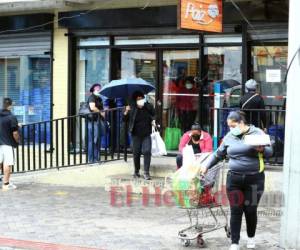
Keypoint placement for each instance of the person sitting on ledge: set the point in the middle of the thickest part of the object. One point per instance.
(200, 140)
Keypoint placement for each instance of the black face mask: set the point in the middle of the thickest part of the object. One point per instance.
(196, 137)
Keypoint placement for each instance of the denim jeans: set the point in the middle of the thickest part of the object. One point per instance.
(96, 130)
(244, 193)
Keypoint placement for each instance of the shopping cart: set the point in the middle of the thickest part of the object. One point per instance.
(202, 200)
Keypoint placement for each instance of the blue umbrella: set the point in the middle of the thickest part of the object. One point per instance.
(124, 88)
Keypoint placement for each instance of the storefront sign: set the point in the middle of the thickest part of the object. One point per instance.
(273, 75)
(202, 15)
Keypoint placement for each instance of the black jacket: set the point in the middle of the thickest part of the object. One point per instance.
(258, 119)
(131, 115)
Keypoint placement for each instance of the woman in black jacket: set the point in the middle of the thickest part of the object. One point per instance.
(141, 117)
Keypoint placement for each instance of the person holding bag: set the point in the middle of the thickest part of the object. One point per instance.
(141, 117)
(96, 123)
(200, 140)
(245, 178)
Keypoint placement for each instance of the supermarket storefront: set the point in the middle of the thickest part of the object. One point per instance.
(183, 65)
(110, 44)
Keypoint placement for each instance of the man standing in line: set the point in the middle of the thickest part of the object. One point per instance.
(98, 118)
(9, 138)
(253, 100)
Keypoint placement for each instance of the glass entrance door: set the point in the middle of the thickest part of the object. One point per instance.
(141, 64)
(180, 93)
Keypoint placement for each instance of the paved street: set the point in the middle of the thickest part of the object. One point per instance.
(43, 216)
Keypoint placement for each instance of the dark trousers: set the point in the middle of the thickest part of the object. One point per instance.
(141, 146)
(244, 193)
(179, 160)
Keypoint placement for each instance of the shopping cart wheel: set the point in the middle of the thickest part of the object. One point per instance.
(228, 231)
(185, 243)
(200, 241)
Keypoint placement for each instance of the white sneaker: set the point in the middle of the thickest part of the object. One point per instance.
(251, 243)
(234, 247)
(10, 186)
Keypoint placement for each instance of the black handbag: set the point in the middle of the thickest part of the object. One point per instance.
(85, 111)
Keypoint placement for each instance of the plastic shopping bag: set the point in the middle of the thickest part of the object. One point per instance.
(186, 186)
(158, 145)
(188, 156)
(172, 138)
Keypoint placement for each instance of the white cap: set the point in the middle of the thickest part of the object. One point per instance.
(251, 84)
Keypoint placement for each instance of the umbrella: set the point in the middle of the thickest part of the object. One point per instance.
(228, 83)
(124, 88)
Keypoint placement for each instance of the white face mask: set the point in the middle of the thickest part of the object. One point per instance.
(96, 93)
(189, 85)
(141, 102)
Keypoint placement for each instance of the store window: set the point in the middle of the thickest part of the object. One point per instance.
(140, 64)
(221, 64)
(26, 80)
(92, 67)
(180, 93)
(269, 69)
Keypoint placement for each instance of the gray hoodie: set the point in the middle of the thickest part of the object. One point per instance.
(242, 157)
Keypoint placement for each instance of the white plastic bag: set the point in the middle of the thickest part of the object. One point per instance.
(158, 145)
(188, 155)
(191, 163)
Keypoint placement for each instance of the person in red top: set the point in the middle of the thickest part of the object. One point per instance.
(200, 140)
(187, 102)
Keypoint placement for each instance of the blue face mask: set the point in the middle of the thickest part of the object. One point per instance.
(236, 131)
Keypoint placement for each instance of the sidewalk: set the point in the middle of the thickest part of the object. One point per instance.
(83, 218)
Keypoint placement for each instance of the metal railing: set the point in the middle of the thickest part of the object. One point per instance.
(68, 141)
(272, 121)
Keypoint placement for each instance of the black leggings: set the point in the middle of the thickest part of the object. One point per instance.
(244, 193)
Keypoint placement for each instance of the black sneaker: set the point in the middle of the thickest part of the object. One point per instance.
(136, 175)
(147, 177)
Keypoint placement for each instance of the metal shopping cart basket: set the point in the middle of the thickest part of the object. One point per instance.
(204, 200)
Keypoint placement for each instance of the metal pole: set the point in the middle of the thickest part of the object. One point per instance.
(290, 230)
(244, 55)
